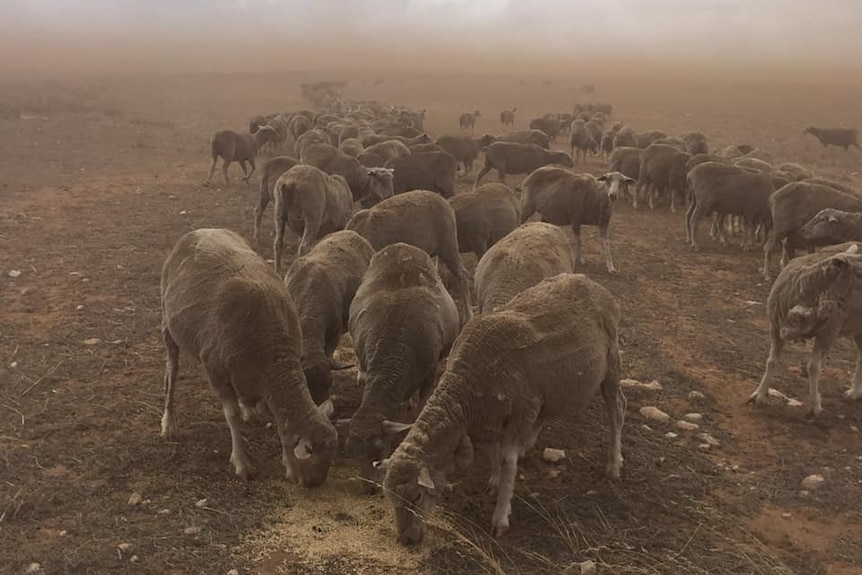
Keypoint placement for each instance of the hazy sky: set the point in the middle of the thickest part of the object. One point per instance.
(291, 34)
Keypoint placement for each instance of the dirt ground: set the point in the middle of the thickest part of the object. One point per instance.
(103, 176)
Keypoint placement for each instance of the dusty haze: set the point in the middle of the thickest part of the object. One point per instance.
(800, 39)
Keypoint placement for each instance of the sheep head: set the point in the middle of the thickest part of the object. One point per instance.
(413, 488)
(615, 183)
(369, 441)
(380, 183)
(313, 448)
(826, 225)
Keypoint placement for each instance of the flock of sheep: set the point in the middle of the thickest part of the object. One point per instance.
(544, 339)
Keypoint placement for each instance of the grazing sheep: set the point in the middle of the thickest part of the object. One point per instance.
(543, 355)
(625, 137)
(463, 148)
(563, 198)
(726, 189)
(434, 171)
(831, 226)
(792, 207)
(352, 147)
(644, 139)
(695, 143)
(368, 185)
(312, 204)
(662, 171)
(698, 159)
(271, 171)
(580, 141)
(389, 149)
(795, 170)
(759, 154)
(468, 120)
(549, 125)
(606, 146)
(403, 322)
(298, 125)
(322, 284)
(842, 137)
(308, 138)
(223, 306)
(816, 296)
(626, 160)
(242, 148)
(483, 216)
(521, 259)
(507, 118)
(537, 137)
(754, 164)
(594, 128)
(423, 219)
(512, 158)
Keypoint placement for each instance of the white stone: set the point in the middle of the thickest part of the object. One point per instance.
(201, 503)
(693, 417)
(812, 482)
(692, 395)
(707, 438)
(687, 425)
(654, 413)
(587, 567)
(552, 455)
(135, 499)
(33, 568)
(671, 435)
(193, 530)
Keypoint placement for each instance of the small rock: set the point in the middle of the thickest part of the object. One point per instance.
(552, 455)
(854, 429)
(79, 308)
(646, 427)
(707, 438)
(183, 212)
(124, 546)
(793, 402)
(592, 492)
(201, 503)
(654, 385)
(63, 533)
(654, 413)
(13, 365)
(671, 435)
(33, 568)
(812, 482)
(163, 511)
(694, 395)
(135, 499)
(193, 530)
(693, 417)
(233, 572)
(92, 341)
(703, 446)
(15, 274)
(587, 567)
(787, 515)
(686, 425)
(133, 559)
(553, 472)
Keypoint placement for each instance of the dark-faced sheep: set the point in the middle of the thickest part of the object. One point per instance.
(368, 185)
(467, 121)
(507, 118)
(581, 141)
(242, 148)
(512, 158)
(816, 296)
(521, 259)
(322, 284)
(484, 216)
(542, 356)
(563, 198)
(464, 149)
(625, 137)
(831, 226)
(434, 171)
(403, 322)
(695, 143)
(840, 137)
(792, 207)
(223, 306)
(549, 125)
(423, 219)
(271, 171)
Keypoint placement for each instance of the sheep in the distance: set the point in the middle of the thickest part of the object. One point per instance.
(223, 305)
(512, 158)
(368, 185)
(484, 216)
(467, 121)
(816, 296)
(839, 137)
(542, 356)
(833, 226)
(563, 198)
(537, 137)
(243, 148)
(464, 149)
(507, 118)
(581, 141)
(271, 171)
(524, 257)
(434, 171)
(403, 322)
(322, 284)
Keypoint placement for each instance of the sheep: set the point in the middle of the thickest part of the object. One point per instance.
(695, 143)
(507, 118)
(606, 145)
(423, 219)
(816, 296)
(308, 138)
(389, 149)
(798, 172)
(839, 137)
(759, 154)
(434, 171)
(537, 137)
(792, 206)
(483, 216)
(594, 128)
(403, 322)
(463, 148)
(833, 227)
(352, 147)
(625, 137)
(312, 203)
(368, 185)
(832, 184)
(271, 171)
(401, 131)
(548, 125)
(371, 139)
(644, 139)
(754, 164)
(512, 158)
(521, 259)
(564, 198)
(580, 140)
(371, 160)
(223, 305)
(468, 120)
(242, 148)
(423, 148)
(662, 170)
(298, 125)
(627, 160)
(543, 355)
(322, 284)
(727, 190)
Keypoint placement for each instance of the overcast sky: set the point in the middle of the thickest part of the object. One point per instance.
(824, 32)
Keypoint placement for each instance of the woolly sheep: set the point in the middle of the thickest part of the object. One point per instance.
(483, 216)
(512, 158)
(242, 148)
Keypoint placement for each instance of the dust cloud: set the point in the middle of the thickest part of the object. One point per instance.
(795, 39)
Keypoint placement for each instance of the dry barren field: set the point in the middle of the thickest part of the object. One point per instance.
(100, 183)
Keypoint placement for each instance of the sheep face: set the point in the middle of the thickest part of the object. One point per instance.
(374, 442)
(380, 183)
(413, 493)
(616, 183)
(824, 226)
(311, 456)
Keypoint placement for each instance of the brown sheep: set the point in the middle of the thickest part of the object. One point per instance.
(507, 118)
(434, 171)
(242, 148)
(484, 216)
(468, 120)
(512, 158)
(271, 171)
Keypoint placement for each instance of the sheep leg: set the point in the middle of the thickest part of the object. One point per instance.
(687, 221)
(508, 470)
(855, 391)
(606, 246)
(172, 365)
(224, 168)
(672, 201)
(221, 383)
(815, 362)
(576, 229)
(501, 175)
(253, 168)
(788, 252)
(775, 349)
(485, 169)
(767, 247)
(309, 235)
(280, 222)
(615, 404)
(258, 214)
(494, 479)
(693, 224)
(212, 170)
(722, 232)
(713, 229)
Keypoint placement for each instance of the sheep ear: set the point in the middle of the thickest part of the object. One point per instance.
(424, 479)
(336, 365)
(394, 427)
(327, 408)
(303, 448)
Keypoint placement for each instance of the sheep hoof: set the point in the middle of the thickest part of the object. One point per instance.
(499, 528)
(853, 394)
(814, 411)
(612, 270)
(756, 398)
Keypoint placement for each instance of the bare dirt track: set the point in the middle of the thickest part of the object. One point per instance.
(94, 195)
